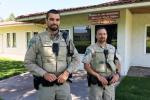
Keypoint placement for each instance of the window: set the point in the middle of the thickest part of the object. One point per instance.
(28, 37)
(35, 33)
(8, 40)
(148, 39)
(64, 30)
(14, 39)
(82, 37)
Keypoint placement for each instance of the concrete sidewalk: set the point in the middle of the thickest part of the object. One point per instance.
(20, 87)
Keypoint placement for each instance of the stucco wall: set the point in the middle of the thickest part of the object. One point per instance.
(20, 31)
(138, 55)
(74, 20)
(1, 43)
(69, 21)
(124, 38)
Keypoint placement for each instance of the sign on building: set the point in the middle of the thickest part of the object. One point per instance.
(104, 17)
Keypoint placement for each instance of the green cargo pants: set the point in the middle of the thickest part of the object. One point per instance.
(61, 92)
(98, 93)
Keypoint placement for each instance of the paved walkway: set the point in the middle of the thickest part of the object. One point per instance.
(20, 87)
(139, 71)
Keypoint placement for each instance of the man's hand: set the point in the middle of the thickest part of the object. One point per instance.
(102, 80)
(49, 77)
(63, 77)
(114, 79)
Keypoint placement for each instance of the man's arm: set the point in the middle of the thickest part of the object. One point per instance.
(30, 59)
(71, 67)
(75, 59)
(87, 66)
(117, 61)
(89, 70)
(118, 67)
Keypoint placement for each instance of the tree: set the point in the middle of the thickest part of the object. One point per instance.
(11, 17)
(1, 19)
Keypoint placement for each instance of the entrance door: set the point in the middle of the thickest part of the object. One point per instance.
(1, 45)
(112, 33)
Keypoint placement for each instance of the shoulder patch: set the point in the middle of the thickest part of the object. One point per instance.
(31, 42)
(87, 52)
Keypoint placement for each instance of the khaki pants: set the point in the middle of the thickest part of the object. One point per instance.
(61, 92)
(98, 93)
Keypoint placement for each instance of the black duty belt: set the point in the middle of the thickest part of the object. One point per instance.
(40, 80)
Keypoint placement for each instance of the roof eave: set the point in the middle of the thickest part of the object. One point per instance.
(27, 24)
(133, 5)
(90, 9)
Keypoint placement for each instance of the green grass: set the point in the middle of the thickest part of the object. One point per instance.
(9, 67)
(134, 88)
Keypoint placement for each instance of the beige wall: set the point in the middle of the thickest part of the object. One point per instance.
(124, 38)
(139, 56)
(1, 43)
(74, 20)
(20, 31)
(69, 21)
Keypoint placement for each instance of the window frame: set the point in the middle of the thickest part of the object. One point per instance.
(28, 40)
(14, 44)
(8, 43)
(145, 46)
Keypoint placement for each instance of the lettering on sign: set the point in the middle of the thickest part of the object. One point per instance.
(104, 18)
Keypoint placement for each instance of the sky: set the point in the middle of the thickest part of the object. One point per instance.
(24, 7)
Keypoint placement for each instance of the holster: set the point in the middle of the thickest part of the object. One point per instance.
(36, 82)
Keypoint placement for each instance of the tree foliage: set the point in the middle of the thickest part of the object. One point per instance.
(11, 17)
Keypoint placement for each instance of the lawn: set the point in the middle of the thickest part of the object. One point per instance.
(9, 67)
(134, 88)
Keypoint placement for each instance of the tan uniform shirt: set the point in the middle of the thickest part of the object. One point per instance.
(40, 58)
(94, 55)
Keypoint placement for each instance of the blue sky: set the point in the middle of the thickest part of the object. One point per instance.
(23, 7)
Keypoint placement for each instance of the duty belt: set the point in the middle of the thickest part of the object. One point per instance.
(40, 80)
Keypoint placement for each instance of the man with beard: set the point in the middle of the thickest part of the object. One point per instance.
(101, 61)
(48, 59)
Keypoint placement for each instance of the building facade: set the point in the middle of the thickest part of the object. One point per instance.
(127, 22)
(15, 36)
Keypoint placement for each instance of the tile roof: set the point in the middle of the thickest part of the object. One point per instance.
(112, 3)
